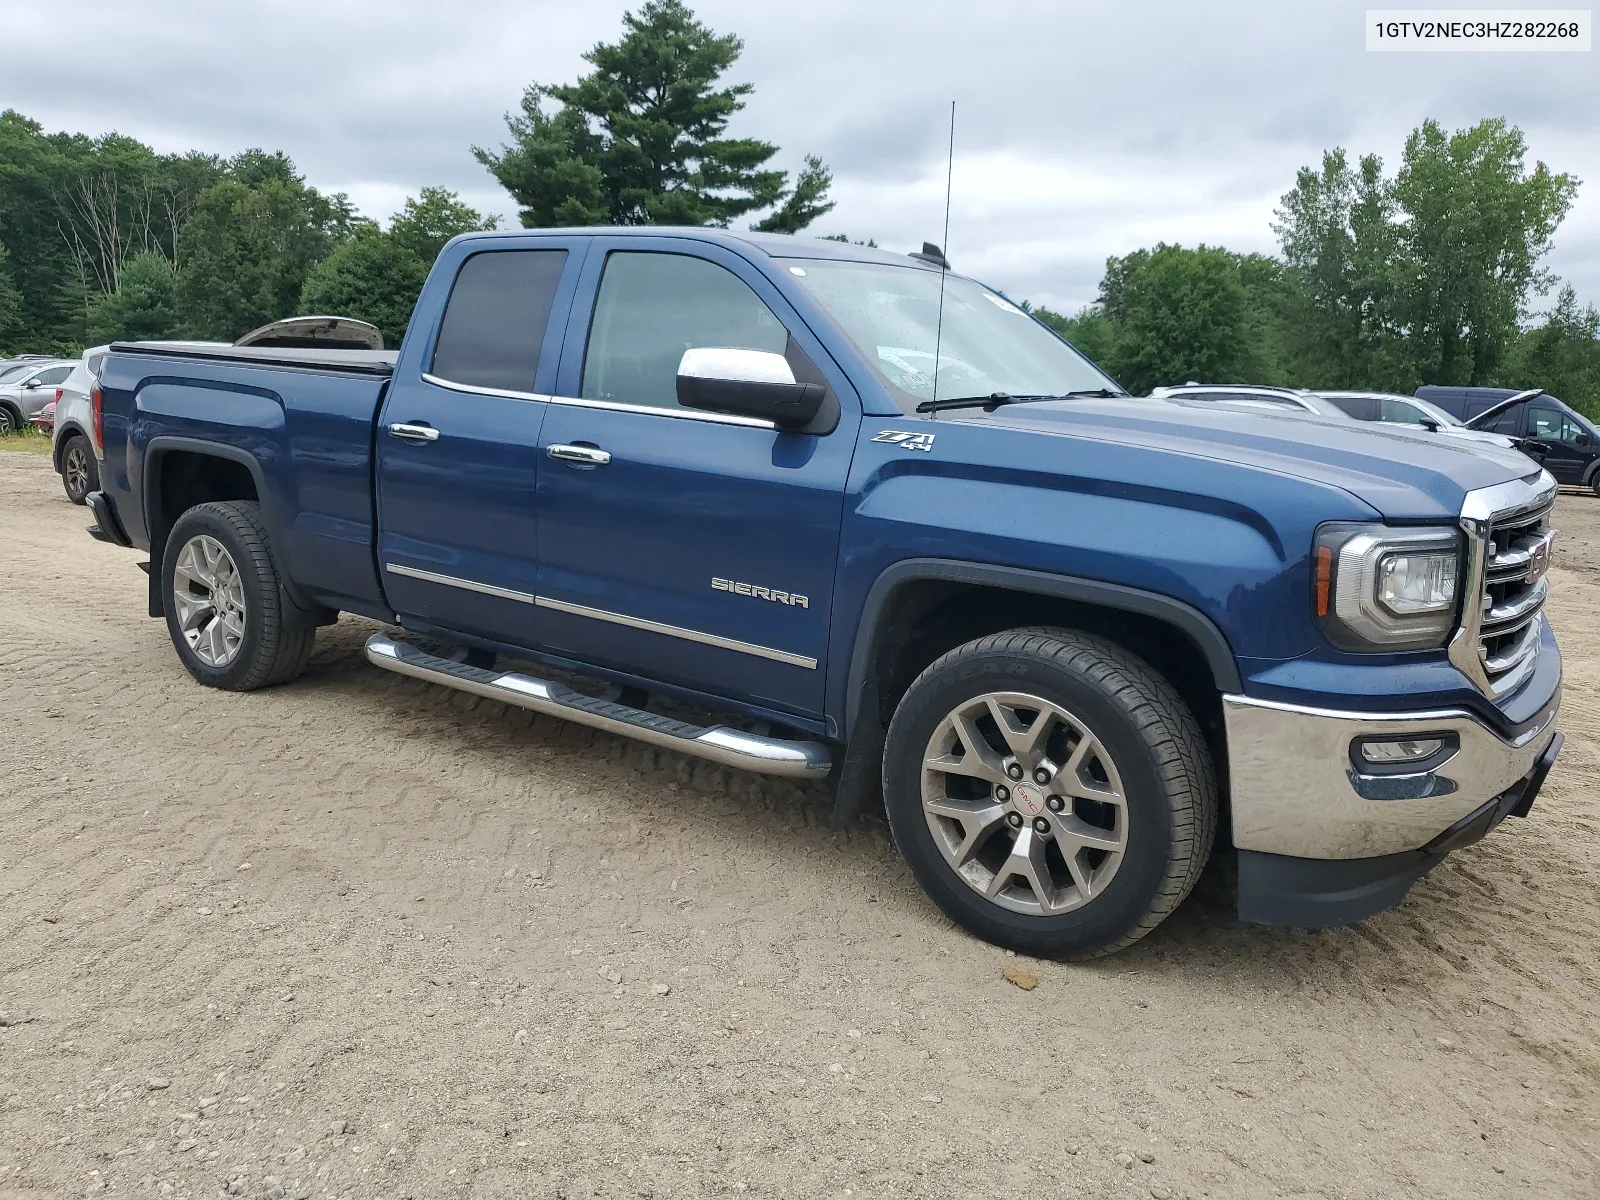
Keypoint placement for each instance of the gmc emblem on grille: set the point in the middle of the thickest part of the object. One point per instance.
(1539, 562)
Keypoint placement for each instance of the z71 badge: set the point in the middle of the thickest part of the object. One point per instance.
(906, 441)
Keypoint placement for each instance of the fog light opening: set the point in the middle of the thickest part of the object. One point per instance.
(1402, 750)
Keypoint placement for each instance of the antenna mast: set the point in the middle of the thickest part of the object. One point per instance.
(944, 254)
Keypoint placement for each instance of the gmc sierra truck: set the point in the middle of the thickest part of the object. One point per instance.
(885, 526)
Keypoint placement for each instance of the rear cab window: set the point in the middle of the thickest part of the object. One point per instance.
(496, 318)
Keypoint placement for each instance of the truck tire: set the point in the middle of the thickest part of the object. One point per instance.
(80, 474)
(1050, 791)
(223, 603)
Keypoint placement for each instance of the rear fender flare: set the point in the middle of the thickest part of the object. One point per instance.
(297, 607)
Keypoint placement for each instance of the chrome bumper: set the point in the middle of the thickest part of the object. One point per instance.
(1296, 789)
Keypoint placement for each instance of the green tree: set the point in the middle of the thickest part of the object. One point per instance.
(144, 306)
(1090, 332)
(805, 204)
(1425, 277)
(1182, 316)
(640, 139)
(376, 276)
(1560, 354)
(432, 218)
(370, 276)
(10, 300)
(1475, 226)
(248, 252)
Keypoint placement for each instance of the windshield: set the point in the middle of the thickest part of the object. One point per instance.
(10, 373)
(1434, 411)
(986, 345)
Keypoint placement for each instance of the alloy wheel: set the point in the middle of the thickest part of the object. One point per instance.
(208, 597)
(1025, 803)
(75, 470)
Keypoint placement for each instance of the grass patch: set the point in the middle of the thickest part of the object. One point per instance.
(29, 441)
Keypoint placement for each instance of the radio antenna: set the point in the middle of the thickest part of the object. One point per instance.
(944, 257)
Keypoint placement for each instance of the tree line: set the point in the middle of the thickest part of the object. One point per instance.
(1426, 275)
(1383, 282)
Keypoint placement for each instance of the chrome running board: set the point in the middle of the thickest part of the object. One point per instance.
(769, 756)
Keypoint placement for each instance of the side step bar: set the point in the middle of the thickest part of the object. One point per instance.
(769, 756)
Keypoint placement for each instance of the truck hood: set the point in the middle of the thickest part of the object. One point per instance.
(1403, 475)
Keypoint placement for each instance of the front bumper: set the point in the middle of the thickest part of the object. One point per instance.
(1312, 893)
(1296, 788)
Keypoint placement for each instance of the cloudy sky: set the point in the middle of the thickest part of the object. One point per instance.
(1083, 130)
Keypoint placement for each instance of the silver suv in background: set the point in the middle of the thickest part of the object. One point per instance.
(76, 451)
(25, 388)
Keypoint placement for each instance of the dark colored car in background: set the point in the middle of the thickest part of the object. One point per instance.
(1550, 432)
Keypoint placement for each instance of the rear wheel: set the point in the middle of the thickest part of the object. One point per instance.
(224, 608)
(1050, 791)
(80, 474)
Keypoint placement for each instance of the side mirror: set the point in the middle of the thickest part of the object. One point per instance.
(31, 385)
(1429, 424)
(747, 383)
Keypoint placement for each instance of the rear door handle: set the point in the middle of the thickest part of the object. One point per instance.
(416, 433)
(589, 455)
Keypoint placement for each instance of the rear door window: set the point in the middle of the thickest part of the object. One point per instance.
(495, 320)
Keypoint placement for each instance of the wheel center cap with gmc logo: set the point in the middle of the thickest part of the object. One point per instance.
(1029, 799)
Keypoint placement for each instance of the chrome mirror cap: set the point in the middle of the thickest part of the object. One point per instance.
(735, 366)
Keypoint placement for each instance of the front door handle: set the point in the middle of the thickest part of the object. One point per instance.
(416, 433)
(588, 455)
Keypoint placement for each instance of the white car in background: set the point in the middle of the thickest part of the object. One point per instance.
(1412, 413)
(76, 448)
(1416, 416)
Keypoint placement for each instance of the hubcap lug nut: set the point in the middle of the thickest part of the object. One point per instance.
(1041, 825)
(1014, 770)
(1055, 803)
(1014, 820)
(1040, 775)
(1002, 793)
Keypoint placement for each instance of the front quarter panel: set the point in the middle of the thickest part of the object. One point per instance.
(1228, 539)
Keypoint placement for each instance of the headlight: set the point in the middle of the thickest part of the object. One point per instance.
(1376, 588)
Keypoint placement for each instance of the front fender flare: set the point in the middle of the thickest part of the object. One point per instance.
(1185, 618)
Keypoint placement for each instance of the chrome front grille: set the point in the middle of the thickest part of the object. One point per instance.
(1519, 545)
(1508, 550)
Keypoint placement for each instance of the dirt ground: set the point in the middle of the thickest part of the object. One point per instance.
(361, 936)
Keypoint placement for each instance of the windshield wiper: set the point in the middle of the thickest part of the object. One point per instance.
(995, 399)
(988, 403)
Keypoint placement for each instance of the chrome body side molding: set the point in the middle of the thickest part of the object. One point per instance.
(678, 631)
(718, 743)
(455, 581)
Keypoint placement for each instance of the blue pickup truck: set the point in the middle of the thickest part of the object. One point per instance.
(889, 528)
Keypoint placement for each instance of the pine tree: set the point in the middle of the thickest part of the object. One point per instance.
(639, 140)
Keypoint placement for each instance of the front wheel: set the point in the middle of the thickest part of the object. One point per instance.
(8, 421)
(1050, 791)
(224, 608)
(80, 474)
